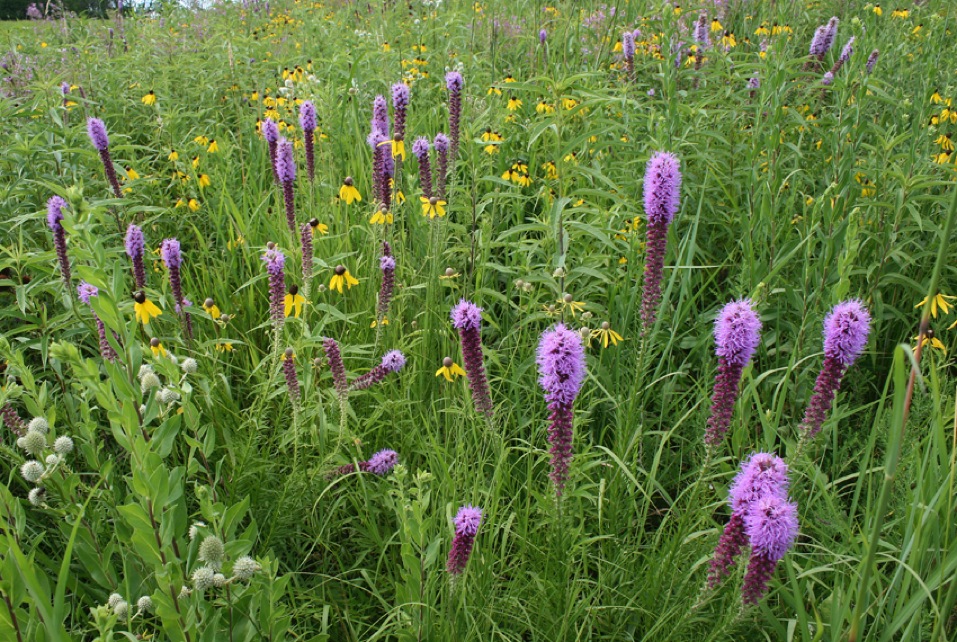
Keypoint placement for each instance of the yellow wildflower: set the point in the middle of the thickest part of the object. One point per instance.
(342, 277)
(432, 207)
(450, 370)
(149, 98)
(144, 309)
(348, 191)
(606, 335)
(293, 300)
(204, 180)
(940, 300)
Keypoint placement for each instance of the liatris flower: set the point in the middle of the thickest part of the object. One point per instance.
(380, 116)
(467, 319)
(307, 119)
(392, 361)
(85, 292)
(628, 51)
(400, 105)
(97, 131)
(331, 348)
(754, 83)
(387, 265)
(542, 36)
(286, 172)
(844, 57)
(275, 263)
(305, 237)
(420, 149)
(441, 144)
(135, 245)
(54, 219)
(830, 35)
(662, 193)
(737, 333)
(467, 522)
(379, 464)
(381, 173)
(772, 527)
(761, 475)
(454, 83)
(827, 79)
(173, 259)
(847, 51)
(702, 35)
(271, 133)
(561, 367)
(845, 336)
(289, 371)
(12, 420)
(872, 60)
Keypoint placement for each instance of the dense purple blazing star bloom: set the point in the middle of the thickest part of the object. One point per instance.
(467, 319)
(135, 247)
(54, 220)
(737, 333)
(662, 191)
(308, 122)
(467, 522)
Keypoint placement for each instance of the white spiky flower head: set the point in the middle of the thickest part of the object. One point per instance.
(194, 529)
(145, 369)
(53, 460)
(212, 551)
(37, 495)
(33, 442)
(122, 610)
(149, 381)
(245, 567)
(189, 365)
(166, 396)
(113, 600)
(203, 578)
(63, 445)
(219, 580)
(32, 471)
(39, 424)
(144, 604)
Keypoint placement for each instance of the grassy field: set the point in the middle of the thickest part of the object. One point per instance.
(217, 480)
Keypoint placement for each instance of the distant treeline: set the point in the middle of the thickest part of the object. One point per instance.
(17, 9)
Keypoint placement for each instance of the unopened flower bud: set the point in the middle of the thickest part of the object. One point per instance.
(212, 551)
(63, 445)
(245, 567)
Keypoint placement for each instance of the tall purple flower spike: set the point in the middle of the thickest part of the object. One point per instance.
(275, 268)
(845, 336)
(286, 171)
(400, 104)
(662, 192)
(392, 361)
(309, 123)
(55, 221)
(467, 319)
(380, 115)
(379, 464)
(420, 149)
(467, 522)
(292, 380)
(271, 133)
(454, 83)
(12, 420)
(305, 243)
(135, 247)
(173, 260)
(737, 333)
(441, 144)
(97, 131)
(85, 292)
(772, 527)
(872, 60)
(561, 367)
(387, 265)
(331, 348)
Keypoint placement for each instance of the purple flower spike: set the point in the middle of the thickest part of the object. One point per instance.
(872, 60)
(85, 292)
(171, 254)
(54, 219)
(737, 333)
(772, 526)
(701, 33)
(97, 131)
(271, 133)
(308, 121)
(275, 264)
(561, 367)
(628, 52)
(305, 241)
(380, 116)
(135, 246)
(467, 522)
(542, 36)
(400, 103)
(393, 361)
(289, 371)
(382, 168)
(441, 144)
(828, 79)
(662, 193)
(173, 259)
(331, 348)
(387, 265)
(467, 319)
(382, 462)
(12, 420)
(286, 172)
(420, 148)
(847, 51)
(455, 84)
(845, 336)
(733, 540)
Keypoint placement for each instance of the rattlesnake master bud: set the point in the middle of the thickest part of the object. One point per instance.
(39, 424)
(144, 604)
(63, 445)
(32, 471)
(203, 578)
(189, 365)
(148, 382)
(52, 460)
(245, 567)
(122, 610)
(219, 580)
(194, 530)
(145, 369)
(212, 551)
(36, 496)
(167, 396)
(33, 442)
(113, 600)
(184, 593)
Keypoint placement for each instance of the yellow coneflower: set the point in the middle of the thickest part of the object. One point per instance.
(677, 10)
(450, 370)
(157, 348)
(942, 158)
(492, 138)
(762, 30)
(936, 97)
(571, 157)
(618, 48)
(316, 226)
(450, 273)
(201, 140)
(606, 335)
(398, 146)
(213, 147)
(179, 203)
(933, 341)
(900, 13)
(716, 25)
(348, 191)
(173, 156)
(254, 97)
(375, 322)
(493, 90)
(432, 207)
(224, 347)
(211, 308)
(551, 170)
(204, 180)
(144, 309)
(509, 78)
(238, 242)
(945, 142)
(195, 162)
(942, 301)
(386, 46)
(193, 205)
(149, 99)
(382, 216)
(342, 277)
(293, 301)
(544, 108)
(569, 103)
(514, 103)
(877, 9)
(916, 30)
(131, 173)
(569, 303)
(727, 40)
